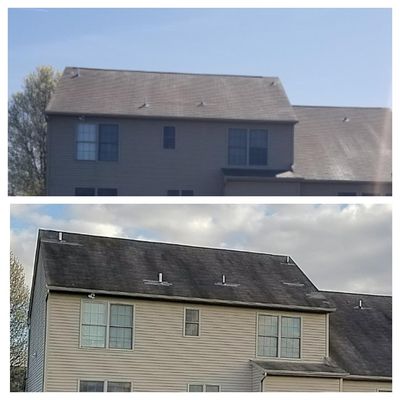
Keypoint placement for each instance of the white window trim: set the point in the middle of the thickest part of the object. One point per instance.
(105, 383)
(184, 322)
(247, 165)
(279, 357)
(204, 386)
(108, 306)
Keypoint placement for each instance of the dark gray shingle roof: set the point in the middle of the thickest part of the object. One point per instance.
(122, 265)
(343, 143)
(361, 339)
(174, 95)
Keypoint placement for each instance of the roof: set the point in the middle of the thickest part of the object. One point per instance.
(88, 91)
(300, 368)
(361, 338)
(131, 267)
(343, 143)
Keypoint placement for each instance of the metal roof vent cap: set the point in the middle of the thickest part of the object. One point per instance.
(202, 103)
(360, 304)
(60, 236)
(346, 119)
(223, 279)
(160, 279)
(76, 73)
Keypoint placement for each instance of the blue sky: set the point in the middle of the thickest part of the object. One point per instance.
(323, 56)
(339, 248)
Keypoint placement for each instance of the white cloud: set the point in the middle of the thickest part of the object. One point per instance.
(339, 248)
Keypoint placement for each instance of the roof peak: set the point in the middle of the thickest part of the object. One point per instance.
(173, 72)
(342, 107)
(355, 293)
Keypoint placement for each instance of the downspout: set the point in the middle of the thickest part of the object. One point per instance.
(262, 381)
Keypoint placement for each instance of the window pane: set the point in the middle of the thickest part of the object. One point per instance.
(107, 192)
(290, 327)
(86, 142)
(91, 386)
(267, 325)
(84, 191)
(169, 137)
(290, 348)
(94, 313)
(187, 193)
(121, 315)
(237, 153)
(258, 151)
(268, 346)
(120, 338)
(93, 336)
(118, 387)
(192, 315)
(191, 329)
(108, 142)
(172, 192)
(212, 388)
(195, 388)
(87, 133)
(86, 151)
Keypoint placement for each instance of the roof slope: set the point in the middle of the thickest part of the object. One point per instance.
(122, 265)
(170, 95)
(343, 143)
(361, 339)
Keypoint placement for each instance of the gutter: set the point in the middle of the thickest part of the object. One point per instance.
(262, 381)
(192, 299)
(368, 378)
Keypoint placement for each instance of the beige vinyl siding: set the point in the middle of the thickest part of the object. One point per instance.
(300, 384)
(365, 386)
(164, 359)
(37, 332)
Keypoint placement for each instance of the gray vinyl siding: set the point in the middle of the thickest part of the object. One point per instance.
(300, 384)
(162, 358)
(365, 386)
(145, 167)
(37, 333)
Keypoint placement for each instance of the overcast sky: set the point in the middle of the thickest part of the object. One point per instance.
(344, 248)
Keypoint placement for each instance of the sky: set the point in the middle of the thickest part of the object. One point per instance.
(339, 247)
(336, 57)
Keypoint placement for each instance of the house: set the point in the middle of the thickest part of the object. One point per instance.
(109, 314)
(133, 133)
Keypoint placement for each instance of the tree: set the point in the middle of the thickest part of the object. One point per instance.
(27, 133)
(19, 305)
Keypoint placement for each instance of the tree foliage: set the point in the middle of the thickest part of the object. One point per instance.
(19, 304)
(27, 133)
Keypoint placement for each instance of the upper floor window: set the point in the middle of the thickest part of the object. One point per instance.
(107, 326)
(192, 322)
(97, 142)
(278, 336)
(203, 388)
(169, 137)
(177, 192)
(104, 386)
(248, 147)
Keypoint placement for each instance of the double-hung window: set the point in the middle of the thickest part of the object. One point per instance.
(192, 322)
(248, 147)
(278, 336)
(169, 137)
(107, 325)
(97, 142)
(203, 388)
(104, 386)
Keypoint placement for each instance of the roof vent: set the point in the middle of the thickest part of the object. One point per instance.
(273, 83)
(223, 279)
(346, 119)
(158, 282)
(160, 277)
(60, 236)
(360, 304)
(75, 74)
(287, 260)
(144, 105)
(224, 283)
(202, 104)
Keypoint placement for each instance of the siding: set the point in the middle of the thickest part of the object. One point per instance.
(300, 384)
(37, 332)
(365, 386)
(162, 359)
(144, 167)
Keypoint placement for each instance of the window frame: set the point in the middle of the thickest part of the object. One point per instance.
(107, 143)
(77, 141)
(247, 164)
(163, 137)
(204, 385)
(108, 308)
(184, 322)
(279, 356)
(105, 384)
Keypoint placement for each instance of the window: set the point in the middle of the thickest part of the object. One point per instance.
(107, 192)
(192, 322)
(120, 326)
(248, 147)
(84, 191)
(347, 194)
(107, 325)
(268, 336)
(108, 142)
(203, 388)
(119, 387)
(278, 336)
(104, 386)
(91, 386)
(176, 192)
(290, 337)
(86, 142)
(169, 137)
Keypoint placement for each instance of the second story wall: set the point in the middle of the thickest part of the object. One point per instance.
(163, 358)
(144, 167)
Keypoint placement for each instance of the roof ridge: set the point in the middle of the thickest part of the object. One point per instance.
(356, 293)
(354, 107)
(169, 243)
(172, 72)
